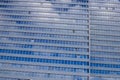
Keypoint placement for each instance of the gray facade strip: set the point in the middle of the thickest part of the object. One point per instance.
(38, 11)
(93, 4)
(104, 14)
(32, 38)
(103, 68)
(110, 28)
(116, 33)
(33, 78)
(105, 62)
(43, 1)
(38, 49)
(105, 19)
(92, 8)
(46, 71)
(50, 44)
(105, 44)
(37, 22)
(42, 5)
(58, 2)
(52, 72)
(105, 50)
(15, 32)
(43, 57)
(104, 24)
(81, 16)
(106, 39)
(105, 1)
(106, 55)
(16, 77)
(44, 50)
(42, 64)
(105, 76)
(37, 31)
(63, 26)
(107, 11)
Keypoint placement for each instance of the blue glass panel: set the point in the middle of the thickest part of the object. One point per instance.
(44, 60)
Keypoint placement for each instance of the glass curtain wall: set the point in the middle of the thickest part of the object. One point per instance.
(44, 39)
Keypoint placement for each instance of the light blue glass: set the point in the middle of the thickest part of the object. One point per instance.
(59, 39)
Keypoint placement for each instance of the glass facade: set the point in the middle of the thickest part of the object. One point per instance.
(59, 39)
(105, 39)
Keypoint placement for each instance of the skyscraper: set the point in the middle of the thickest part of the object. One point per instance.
(105, 39)
(59, 40)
